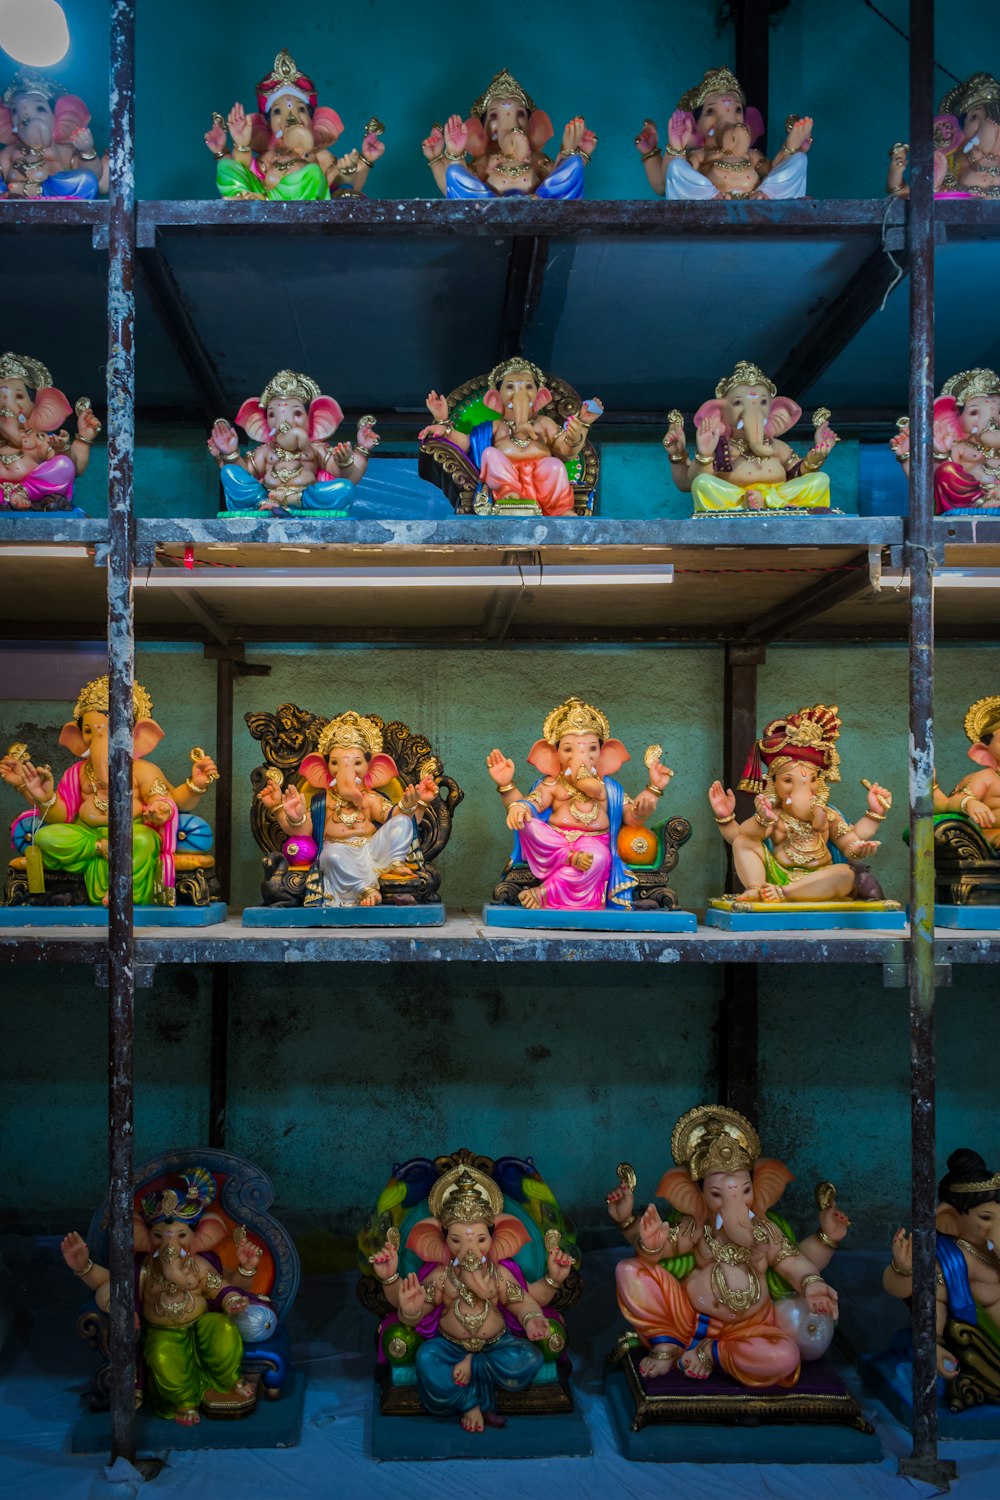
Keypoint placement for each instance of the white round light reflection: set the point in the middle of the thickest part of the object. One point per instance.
(34, 32)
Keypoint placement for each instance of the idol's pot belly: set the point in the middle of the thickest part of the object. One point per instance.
(698, 1286)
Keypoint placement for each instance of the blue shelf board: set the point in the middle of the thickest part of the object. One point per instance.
(273, 1424)
(413, 1438)
(806, 921)
(97, 916)
(969, 918)
(496, 915)
(431, 914)
(890, 1377)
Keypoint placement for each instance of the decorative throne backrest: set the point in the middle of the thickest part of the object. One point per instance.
(444, 464)
(291, 733)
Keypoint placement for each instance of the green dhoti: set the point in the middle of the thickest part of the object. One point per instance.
(73, 847)
(308, 184)
(183, 1363)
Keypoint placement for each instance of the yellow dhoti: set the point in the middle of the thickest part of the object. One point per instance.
(806, 492)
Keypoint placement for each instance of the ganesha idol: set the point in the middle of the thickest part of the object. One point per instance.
(966, 444)
(967, 829)
(39, 461)
(740, 464)
(48, 149)
(283, 151)
(721, 1295)
(710, 149)
(504, 136)
(63, 838)
(293, 470)
(966, 143)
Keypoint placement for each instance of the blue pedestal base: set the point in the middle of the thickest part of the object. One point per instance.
(430, 914)
(890, 1377)
(806, 921)
(274, 1424)
(497, 915)
(408, 1438)
(97, 916)
(970, 918)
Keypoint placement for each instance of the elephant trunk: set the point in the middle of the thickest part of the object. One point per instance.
(753, 431)
(348, 786)
(36, 133)
(737, 1222)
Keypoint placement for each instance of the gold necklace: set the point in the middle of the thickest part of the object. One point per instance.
(738, 1300)
(744, 452)
(576, 804)
(174, 1301)
(348, 819)
(470, 1321)
(988, 1260)
(101, 803)
(518, 442)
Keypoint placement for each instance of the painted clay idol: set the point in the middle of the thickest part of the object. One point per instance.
(65, 835)
(466, 1276)
(568, 828)
(967, 1280)
(966, 143)
(39, 461)
(740, 464)
(504, 136)
(710, 147)
(722, 1285)
(967, 825)
(522, 455)
(48, 150)
(966, 443)
(283, 151)
(293, 470)
(796, 847)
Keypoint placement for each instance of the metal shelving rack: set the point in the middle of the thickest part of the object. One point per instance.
(139, 241)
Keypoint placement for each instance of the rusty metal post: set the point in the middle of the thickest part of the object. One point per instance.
(121, 667)
(924, 1463)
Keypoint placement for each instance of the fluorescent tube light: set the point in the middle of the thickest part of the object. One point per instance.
(43, 549)
(947, 578)
(404, 578)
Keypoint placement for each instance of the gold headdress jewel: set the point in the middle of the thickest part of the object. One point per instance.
(715, 81)
(289, 384)
(575, 717)
(94, 699)
(981, 88)
(502, 86)
(991, 1185)
(27, 81)
(745, 373)
(983, 718)
(713, 1138)
(969, 383)
(351, 731)
(465, 1196)
(499, 373)
(23, 367)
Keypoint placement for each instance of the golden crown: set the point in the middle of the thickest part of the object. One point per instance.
(499, 373)
(715, 81)
(714, 1138)
(23, 367)
(351, 731)
(575, 717)
(27, 81)
(981, 88)
(745, 373)
(465, 1196)
(502, 86)
(983, 718)
(969, 383)
(289, 384)
(991, 1185)
(94, 699)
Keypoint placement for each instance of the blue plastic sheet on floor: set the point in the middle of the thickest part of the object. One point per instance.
(45, 1366)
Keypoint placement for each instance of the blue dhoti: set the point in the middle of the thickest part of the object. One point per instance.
(510, 1362)
(245, 492)
(565, 181)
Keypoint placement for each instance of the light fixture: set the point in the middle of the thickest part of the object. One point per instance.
(525, 576)
(34, 32)
(43, 549)
(947, 578)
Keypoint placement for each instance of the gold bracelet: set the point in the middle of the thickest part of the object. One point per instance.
(87, 155)
(243, 148)
(723, 821)
(548, 1280)
(702, 458)
(453, 155)
(242, 1271)
(680, 458)
(366, 161)
(432, 159)
(87, 1268)
(963, 801)
(826, 1240)
(655, 790)
(627, 1223)
(220, 154)
(809, 1280)
(646, 1250)
(342, 465)
(650, 154)
(906, 1275)
(198, 790)
(508, 788)
(583, 155)
(390, 1279)
(292, 823)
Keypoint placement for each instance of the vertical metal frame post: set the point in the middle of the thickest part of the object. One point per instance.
(121, 671)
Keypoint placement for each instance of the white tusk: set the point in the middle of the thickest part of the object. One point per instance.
(718, 1221)
(739, 424)
(969, 145)
(752, 1214)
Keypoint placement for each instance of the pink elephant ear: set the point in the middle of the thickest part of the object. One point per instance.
(710, 411)
(782, 417)
(426, 1240)
(260, 133)
(315, 770)
(325, 416)
(327, 126)
(509, 1234)
(51, 410)
(947, 422)
(476, 142)
(946, 1220)
(544, 757)
(540, 129)
(381, 770)
(947, 133)
(613, 754)
(210, 1231)
(683, 1194)
(70, 114)
(543, 398)
(6, 126)
(140, 1234)
(72, 739)
(493, 401)
(146, 735)
(981, 755)
(253, 419)
(770, 1178)
(754, 121)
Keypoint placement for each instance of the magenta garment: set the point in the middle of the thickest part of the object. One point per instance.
(547, 849)
(955, 488)
(54, 477)
(541, 479)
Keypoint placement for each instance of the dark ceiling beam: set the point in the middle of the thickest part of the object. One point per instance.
(753, 65)
(206, 617)
(525, 271)
(828, 335)
(181, 331)
(813, 600)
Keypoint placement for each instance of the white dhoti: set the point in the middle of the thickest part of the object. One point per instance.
(350, 867)
(685, 183)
